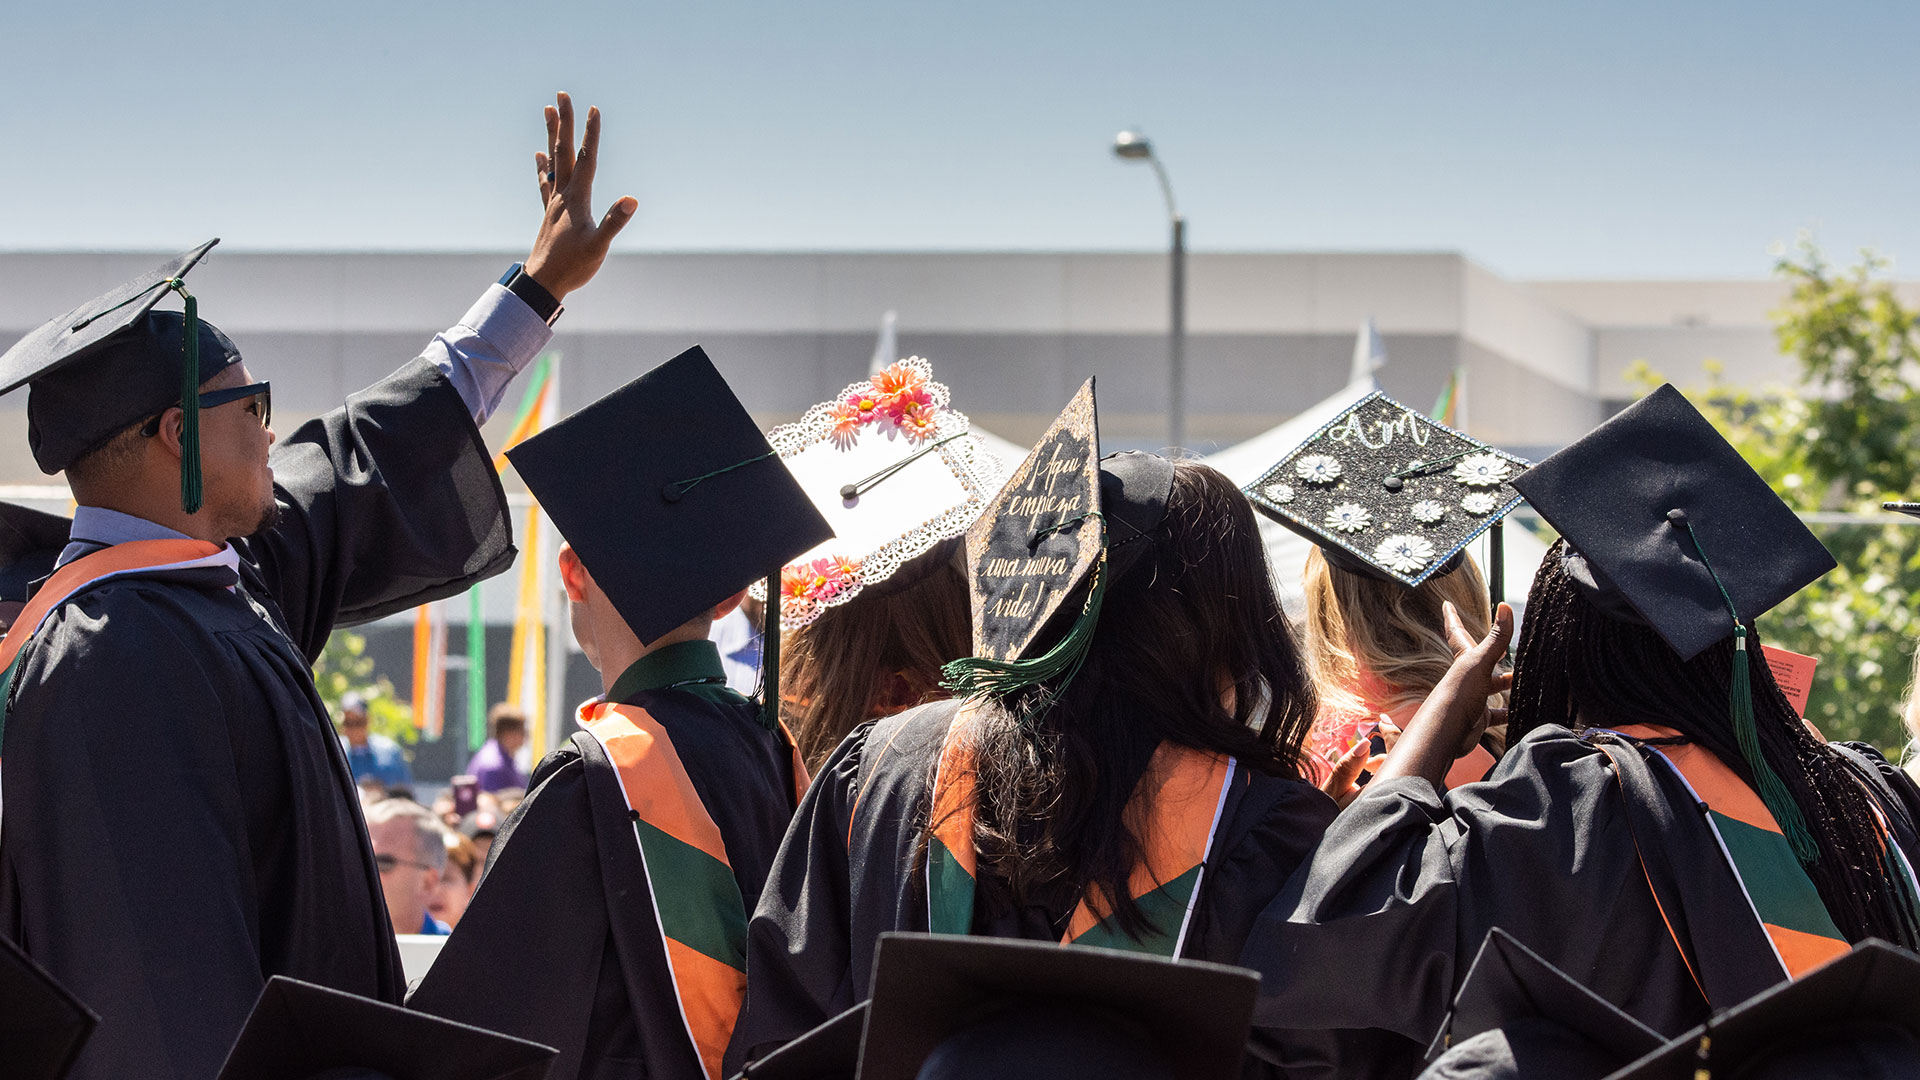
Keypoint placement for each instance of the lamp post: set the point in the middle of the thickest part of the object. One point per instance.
(1133, 146)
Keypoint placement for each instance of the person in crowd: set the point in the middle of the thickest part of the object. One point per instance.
(1377, 649)
(738, 636)
(464, 863)
(1662, 828)
(494, 765)
(30, 543)
(208, 838)
(1121, 766)
(409, 848)
(479, 828)
(646, 839)
(869, 617)
(371, 755)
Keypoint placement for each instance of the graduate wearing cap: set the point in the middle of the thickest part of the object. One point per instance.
(180, 822)
(1663, 828)
(1120, 765)
(611, 922)
(30, 543)
(869, 618)
(1391, 500)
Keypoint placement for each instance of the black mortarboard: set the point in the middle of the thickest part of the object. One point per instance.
(1387, 492)
(1909, 508)
(113, 361)
(1613, 495)
(42, 1026)
(1040, 557)
(30, 542)
(1853, 1017)
(828, 1052)
(937, 994)
(1518, 1015)
(300, 1031)
(670, 494)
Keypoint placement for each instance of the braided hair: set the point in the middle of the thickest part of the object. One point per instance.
(1579, 667)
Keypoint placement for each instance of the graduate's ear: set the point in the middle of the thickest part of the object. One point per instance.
(573, 574)
(170, 427)
(725, 607)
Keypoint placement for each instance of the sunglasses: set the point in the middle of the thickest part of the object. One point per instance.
(394, 862)
(258, 395)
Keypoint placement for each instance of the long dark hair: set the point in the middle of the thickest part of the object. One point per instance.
(1578, 666)
(1195, 616)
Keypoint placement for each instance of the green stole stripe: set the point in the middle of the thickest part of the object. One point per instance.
(1164, 907)
(949, 892)
(1781, 891)
(696, 895)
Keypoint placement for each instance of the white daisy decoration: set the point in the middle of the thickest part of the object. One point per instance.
(1480, 503)
(1317, 469)
(1429, 512)
(1404, 554)
(1349, 517)
(1280, 493)
(1481, 470)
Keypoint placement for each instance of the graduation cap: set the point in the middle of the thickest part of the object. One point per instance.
(1387, 492)
(113, 361)
(965, 999)
(42, 1025)
(828, 1052)
(894, 470)
(1666, 524)
(1040, 557)
(1517, 1015)
(1854, 1017)
(30, 542)
(299, 1030)
(1909, 508)
(671, 496)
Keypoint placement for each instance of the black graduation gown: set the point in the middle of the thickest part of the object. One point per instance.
(180, 822)
(560, 944)
(841, 880)
(1377, 930)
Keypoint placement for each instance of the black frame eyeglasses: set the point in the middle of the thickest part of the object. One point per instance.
(262, 392)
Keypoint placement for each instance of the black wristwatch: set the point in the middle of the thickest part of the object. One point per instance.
(535, 294)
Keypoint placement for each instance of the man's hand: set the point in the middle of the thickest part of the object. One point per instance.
(570, 247)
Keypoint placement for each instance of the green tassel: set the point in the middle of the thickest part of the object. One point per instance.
(770, 656)
(1786, 812)
(977, 676)
(190, 486)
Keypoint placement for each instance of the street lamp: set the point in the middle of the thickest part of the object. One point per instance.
(1133, 146)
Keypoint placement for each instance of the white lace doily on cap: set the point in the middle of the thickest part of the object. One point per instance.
(894, 469)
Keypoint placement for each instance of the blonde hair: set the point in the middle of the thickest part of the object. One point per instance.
(1374, 644)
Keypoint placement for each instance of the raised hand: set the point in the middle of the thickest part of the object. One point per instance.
(1450, 721)
(571, 245)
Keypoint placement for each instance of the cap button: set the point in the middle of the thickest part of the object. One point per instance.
(848, 491)
(1394, 483)
(670, 491)
(1677, 518)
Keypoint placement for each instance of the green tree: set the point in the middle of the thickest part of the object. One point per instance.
(343, 666)
(1842, 440)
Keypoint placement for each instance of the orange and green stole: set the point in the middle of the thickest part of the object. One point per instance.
(1175, 810)
(696, 900)
(1778, 890)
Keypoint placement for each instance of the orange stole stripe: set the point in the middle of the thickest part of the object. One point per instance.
(1801, 951)
(1183, 786)
(1710, 777)
(802, 780)
(710, 997)
(955, 791)
(656, 783)
(120, 558)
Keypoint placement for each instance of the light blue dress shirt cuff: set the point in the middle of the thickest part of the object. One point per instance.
(491, 343)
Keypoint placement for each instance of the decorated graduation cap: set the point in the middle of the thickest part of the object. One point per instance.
(951, 1006)
(1389, 493)
(42, 1026)
(894, 469)
(670, 495)
(1852, 1017)
(115, 360)
(1667, 525)
(300, 1031)
(30, 542)
(1517, 1015)
(1039, 560)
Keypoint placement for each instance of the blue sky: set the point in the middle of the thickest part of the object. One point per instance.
(1621, 140)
